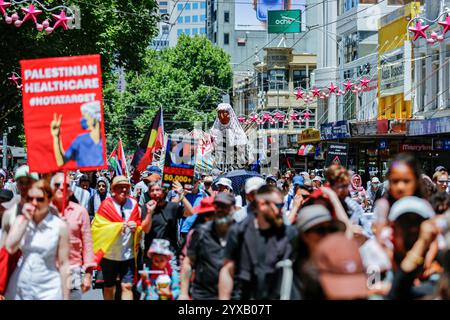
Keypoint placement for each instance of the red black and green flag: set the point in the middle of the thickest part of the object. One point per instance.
(152, 141)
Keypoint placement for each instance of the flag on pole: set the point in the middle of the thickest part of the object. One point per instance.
(152, 141)
(117, 161)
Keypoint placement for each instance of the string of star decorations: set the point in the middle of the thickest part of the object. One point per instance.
(19, 12)
(276, 117)
(420, 27)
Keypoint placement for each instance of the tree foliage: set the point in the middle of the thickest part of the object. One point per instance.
(187, 81)
(118, 30)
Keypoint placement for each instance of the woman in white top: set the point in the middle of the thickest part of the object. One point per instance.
(42, 272)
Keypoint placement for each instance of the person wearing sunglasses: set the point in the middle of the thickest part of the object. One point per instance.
(440, 178)
(43, 239)
(82, 260)
(254, 247)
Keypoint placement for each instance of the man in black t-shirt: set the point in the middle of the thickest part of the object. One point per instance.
(206, 248)
(164, 218)
(254, 247)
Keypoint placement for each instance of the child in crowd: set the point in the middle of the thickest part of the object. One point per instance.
(161, 281)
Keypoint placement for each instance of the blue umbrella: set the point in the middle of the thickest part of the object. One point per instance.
(238, 178)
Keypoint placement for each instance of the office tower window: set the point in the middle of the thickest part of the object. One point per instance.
(226, 38)
(194, 18)
(187, 6)
(194, 31)
(202, 30)
(195, 6)
(187, 31)
(162, 3)
(202, 5)
(226, 16)
(187, 19)
(215, 37)
(179, 6)
(180, 20)
(179, 32)
(203, 18)
(165, 29)
(162, 10)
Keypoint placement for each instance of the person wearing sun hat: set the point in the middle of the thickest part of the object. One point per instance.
(340, 269)
(161, 280)
(116, 234)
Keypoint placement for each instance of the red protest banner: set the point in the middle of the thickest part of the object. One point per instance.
(63, 113)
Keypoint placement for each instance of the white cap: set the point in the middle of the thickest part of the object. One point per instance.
(411, 205)
(92, 109)
(375, 180)
(253, 184)
(317, 178)
(225, 182)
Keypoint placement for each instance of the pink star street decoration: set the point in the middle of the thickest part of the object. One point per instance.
(272, 121)
(3, 6)
(61, 20)
(15, 78)
(299, 94)
(241, 119)
(315, 92)
(364, 82)
(266, 117)
(254, 118)
(259, 121)
(348, 85)
(32, 11)
(419, 30)
(294, 116)
(306, 115)
(332, 88)
(279, 116)
(445, 24)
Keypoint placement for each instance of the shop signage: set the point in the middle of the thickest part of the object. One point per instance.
(284, 21)
(334, 130)
(308, 135)
(397, 126)
(337, 154)
(382, 144)
(369, 128)
(441, 144)
(414, 147)
(307, 150)
(392, 73)
(428, 126)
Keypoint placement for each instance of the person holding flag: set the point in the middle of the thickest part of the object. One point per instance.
(116, 234)
(118, 162)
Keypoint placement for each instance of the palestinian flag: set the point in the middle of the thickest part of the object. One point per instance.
(117, 161)
(107, 225)
(152, 141)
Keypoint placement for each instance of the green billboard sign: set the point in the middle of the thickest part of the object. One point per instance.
(284, 21)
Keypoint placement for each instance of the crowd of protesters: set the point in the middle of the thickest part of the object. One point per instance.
(325, 234)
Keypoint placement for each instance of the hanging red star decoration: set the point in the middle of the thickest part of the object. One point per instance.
(332, 88)
(31, 13)
(294, 116)
(306, 115)
(315, 92)
(241, 119)
(299, 94)
(279, 116)
(348, 85)
(254, 118)
(15, 78)
(266, 117)
(364, 82)
(419, 30)
(61, 20)
(3, 6)
(445, 24)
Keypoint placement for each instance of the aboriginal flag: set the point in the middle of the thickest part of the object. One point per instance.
(153, 141)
